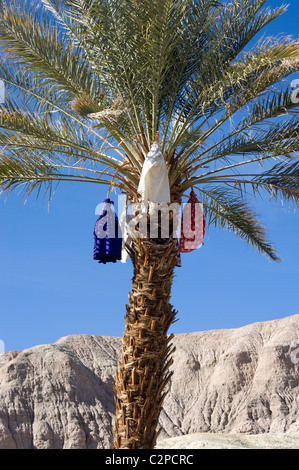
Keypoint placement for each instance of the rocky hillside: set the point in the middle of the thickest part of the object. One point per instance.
(243, 380)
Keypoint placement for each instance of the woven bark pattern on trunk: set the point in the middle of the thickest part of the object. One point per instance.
(143, 370)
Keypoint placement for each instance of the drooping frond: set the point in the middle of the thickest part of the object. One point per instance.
(282, 181)
(224, 209)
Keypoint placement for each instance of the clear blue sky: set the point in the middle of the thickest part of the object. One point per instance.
(50, 286)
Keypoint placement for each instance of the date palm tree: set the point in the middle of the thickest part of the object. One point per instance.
(89, 83)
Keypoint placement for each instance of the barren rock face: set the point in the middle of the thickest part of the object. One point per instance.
(236, 381)
(60, 395)
(244, 380)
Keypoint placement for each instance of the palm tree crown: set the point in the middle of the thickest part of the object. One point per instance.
(90, 83)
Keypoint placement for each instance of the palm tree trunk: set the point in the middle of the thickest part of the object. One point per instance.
(143, 370)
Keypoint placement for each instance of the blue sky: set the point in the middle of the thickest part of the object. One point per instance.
(50, 286)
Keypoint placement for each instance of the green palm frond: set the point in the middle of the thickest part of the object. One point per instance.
(275, 103)
(28, 173)
(244, 84)
(36, 43)
(224, 209)
(282, 180)
(277, 139)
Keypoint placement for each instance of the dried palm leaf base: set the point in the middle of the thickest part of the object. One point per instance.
(143, 370)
